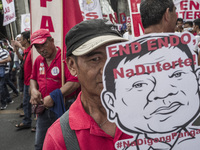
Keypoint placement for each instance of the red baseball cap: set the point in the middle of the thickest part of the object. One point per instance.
(40, 36)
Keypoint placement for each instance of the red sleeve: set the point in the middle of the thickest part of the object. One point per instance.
(34, 70)
(54, 139)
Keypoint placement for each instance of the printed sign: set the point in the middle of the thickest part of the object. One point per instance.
(25, 22)
(90, 9)
(189, 10)
(9, 11)
(151, 91)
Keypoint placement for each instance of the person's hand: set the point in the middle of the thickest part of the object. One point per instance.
(36, 97)
(48, 101)
(15, 43)
(13, 69)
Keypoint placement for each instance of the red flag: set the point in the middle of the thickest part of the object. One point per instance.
(71, 16)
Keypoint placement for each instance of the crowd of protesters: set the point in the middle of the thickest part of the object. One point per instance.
(40, 81)
(8, 77)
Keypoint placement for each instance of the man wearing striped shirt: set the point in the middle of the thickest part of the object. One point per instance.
(5, 96)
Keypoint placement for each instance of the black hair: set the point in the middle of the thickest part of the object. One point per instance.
(179, 19)
(152, 11)
(5, 40)
(197, 22)
(26, 35)
(114, 61)
(190, 23)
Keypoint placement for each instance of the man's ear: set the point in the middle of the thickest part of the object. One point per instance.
(109, 101)
(71, 64)
(167, 15)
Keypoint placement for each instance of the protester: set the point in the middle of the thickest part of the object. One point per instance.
(128, 34)
(86, 51)
(10, 75)
(24, 44)
(16, 59)
(179, 25)
(4, 58)
(17, 63)
(46, 83)
(188, 26)
(158, 16)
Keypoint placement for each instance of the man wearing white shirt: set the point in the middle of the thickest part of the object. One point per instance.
(128, 35)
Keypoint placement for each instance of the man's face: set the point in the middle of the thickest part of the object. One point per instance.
(89, 71)
(180, 24)
(129, 27)
(46, 49)
(157, 102)
(187, 26)
(194, 27)
(23, 41)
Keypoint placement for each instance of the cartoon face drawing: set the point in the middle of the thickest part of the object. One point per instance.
(156, 100)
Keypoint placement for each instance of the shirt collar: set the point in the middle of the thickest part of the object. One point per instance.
(80, 120)
(27, 50)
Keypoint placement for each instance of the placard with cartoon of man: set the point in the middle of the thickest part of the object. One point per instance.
(151, 91)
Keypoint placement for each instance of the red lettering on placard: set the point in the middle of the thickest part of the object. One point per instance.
(43, 3)
(196, 15)
(9, 1)
(7, 10)
(195, 5)
(134, 7)
(192, 5)
(113, 19)
(46, 23)
(183, 5)
(137, 24)
(91, 15)
(189, 15)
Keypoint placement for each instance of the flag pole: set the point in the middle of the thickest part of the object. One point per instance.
(62, 50)
(62, 47)
(11, 30)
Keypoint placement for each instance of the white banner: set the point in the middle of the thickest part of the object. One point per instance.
(189, 10)
(9, 11)
(25, 22)
(91, 9)
(47, 15)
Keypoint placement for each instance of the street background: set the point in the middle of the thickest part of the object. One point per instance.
(10, 137)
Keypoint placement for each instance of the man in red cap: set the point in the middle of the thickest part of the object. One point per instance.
(45, 85)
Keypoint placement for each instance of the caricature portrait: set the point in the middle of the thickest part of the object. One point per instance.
(151, 91)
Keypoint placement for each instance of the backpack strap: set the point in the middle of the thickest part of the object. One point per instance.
(69, 135)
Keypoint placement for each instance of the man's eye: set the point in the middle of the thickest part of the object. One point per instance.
(139, 85)
(95, 59)
(176, 75)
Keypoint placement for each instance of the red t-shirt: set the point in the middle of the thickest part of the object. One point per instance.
(49, 77)
(90, 136)
(27, 65)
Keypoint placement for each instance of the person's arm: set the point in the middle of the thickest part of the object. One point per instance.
(36, 96)
(8, 59)
(18, 45)
(66, 90)
(69, 87)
